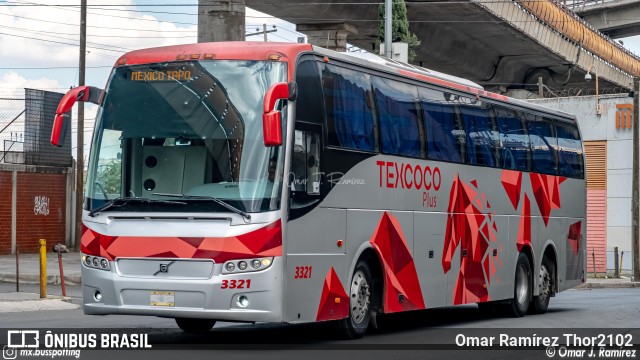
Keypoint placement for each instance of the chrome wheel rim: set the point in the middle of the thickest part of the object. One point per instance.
(544, 286)
(359, 299)
(522, 285)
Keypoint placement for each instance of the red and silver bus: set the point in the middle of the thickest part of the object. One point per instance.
(271, 182)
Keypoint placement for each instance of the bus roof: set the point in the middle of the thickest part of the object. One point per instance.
(253, 50)
(233, 50)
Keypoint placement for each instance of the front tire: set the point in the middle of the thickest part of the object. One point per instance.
(545, 287)
(518, 306)
(355, 325)
(195, 325)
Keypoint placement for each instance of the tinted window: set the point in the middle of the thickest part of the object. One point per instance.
(309, 104)
(483, 137)
(444, 132)
(350, 118)
(400, 129)
(514, 141)
(570, 159)
(543, 145)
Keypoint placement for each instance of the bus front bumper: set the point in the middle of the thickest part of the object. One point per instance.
(258, 300)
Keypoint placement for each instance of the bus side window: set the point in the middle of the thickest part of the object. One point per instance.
(443, 129)
(570, 158)
(483, 138)
(401, 130)
(350, 117)
(305, 164)
(543, 145)
(514, 141)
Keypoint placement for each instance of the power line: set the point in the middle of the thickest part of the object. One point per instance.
(90, 26)
(53, 67)
(105, 36)
(60, 42)
(43, 33)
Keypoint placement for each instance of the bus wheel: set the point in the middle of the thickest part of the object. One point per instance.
(195, 325)
(518, 306)
(355, 325)
(545, 287)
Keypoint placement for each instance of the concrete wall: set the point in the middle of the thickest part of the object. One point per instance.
(33, 205)
(619, 157)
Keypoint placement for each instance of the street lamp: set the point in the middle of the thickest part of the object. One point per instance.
(587, 77)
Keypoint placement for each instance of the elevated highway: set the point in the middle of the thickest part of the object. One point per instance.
(501, 44)
(615, 18)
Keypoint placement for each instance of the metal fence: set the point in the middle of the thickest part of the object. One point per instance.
(25, 130)
(618, 263)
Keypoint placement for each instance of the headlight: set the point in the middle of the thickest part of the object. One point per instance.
(95, 262)
(230, 266)
(242, 266)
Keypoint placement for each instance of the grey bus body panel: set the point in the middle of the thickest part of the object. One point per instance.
(355, 208)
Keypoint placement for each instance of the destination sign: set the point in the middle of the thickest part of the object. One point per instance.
(161, 75)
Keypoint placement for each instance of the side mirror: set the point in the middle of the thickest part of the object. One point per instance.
(272, 118)
(61, 121)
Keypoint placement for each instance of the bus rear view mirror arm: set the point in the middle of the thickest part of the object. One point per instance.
(272, 118)
(61, 121)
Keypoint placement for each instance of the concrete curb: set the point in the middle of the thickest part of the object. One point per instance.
(35, 279)
(612, 285)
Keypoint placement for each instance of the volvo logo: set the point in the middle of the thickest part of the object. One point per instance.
(164, 268)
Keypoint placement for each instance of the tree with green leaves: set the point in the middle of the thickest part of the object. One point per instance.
(399, 26)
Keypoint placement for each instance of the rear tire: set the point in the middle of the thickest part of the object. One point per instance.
(518, 306)
(195, 325)
(355, 325)
(540, 303)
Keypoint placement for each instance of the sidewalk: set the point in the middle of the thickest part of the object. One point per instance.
(609, 283)
(30, 268)
(22, 301)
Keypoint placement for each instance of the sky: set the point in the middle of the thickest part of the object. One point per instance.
(39, 43)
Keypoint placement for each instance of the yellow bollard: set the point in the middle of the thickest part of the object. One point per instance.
(43, 268)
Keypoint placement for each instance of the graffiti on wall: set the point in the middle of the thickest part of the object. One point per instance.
(41, 205)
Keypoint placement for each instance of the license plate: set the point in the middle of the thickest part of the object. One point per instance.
(162, 298)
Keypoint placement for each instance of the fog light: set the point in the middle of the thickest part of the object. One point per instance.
(230, 266)
(266, 262)
(242, 265)
(255, 263)
(243, 301)
(97, 295)
(104, 263)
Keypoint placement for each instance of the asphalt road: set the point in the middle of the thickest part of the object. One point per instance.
(402, 336)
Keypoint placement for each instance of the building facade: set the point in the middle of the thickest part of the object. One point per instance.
(608, 146)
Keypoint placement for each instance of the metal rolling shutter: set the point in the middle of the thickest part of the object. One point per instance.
(596, 161)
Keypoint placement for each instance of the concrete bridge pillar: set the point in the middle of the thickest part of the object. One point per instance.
(221, 20)
(329, 36)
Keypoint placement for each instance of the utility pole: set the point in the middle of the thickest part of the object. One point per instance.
(635, 195)
(221, 20)
(80, 129)
(388, 17)
(263, 32)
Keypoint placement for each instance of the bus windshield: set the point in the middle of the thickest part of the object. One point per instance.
(186, 128)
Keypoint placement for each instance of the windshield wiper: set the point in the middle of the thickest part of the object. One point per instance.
(212, 198)
(120, 201)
